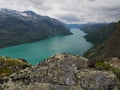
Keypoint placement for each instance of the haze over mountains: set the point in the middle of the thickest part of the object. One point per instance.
(22, 27)
(62, 71)
(65, 72)
(97, 69)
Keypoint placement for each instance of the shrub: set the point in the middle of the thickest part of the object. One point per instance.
(116, 72)
(102, 66)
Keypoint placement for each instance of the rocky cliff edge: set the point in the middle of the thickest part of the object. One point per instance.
(61, 72)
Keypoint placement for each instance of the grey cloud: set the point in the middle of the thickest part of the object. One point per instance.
(69, 18)
(26, 5)
(75, 11)
(36, 2)
(39, 4)
(92, 0)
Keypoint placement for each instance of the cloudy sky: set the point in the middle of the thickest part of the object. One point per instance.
(70, 11)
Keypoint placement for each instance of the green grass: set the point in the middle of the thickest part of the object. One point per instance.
(5, 71)
(116, 72)
(104, 66)
(11, 65)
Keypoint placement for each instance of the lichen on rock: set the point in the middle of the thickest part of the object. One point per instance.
(61, 72)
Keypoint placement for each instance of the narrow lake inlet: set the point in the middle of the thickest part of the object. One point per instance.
(37, 51)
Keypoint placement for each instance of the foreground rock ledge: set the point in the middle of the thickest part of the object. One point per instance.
(61, 72)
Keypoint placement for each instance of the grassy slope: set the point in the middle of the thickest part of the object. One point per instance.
(11, 65)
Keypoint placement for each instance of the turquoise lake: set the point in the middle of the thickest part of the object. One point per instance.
(38, 51)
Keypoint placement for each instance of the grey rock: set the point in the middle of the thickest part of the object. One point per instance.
(62, 72)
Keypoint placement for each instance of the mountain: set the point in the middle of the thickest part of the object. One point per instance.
(61, 72)
(73, 25)
(91, 27)
(112, 47)
(108, 51)
(27, 26)
(97, 33)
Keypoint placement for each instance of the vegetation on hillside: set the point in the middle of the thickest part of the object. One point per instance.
(97, 33)
(17, 29)
(11, 65)
(107, 51)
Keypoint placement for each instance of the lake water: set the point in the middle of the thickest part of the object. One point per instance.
(38, 51)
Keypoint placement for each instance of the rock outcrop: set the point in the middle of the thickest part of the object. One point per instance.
(61, 72)
(10, 65)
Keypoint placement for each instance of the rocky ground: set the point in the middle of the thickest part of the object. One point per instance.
(61, 72)
(10, 65)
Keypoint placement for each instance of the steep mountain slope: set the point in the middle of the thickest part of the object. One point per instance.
(73, 25)
(22, 27)
(91, 27)
(112, 47)
(61, 72)
(107, 51)
(98, 33)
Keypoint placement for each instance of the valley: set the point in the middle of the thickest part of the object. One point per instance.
(38, 51)
(27, 26)
(59, 45)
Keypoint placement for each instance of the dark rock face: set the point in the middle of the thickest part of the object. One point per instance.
(61, 72)
(106, 56)
(23, 27)
(98, 33)
(112, 47)
(107, 50)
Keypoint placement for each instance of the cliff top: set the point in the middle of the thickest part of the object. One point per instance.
(61, 72)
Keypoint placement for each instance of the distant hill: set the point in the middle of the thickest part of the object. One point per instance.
(73, 25)
(98, 33)
(91, 27)
(23, 27)
(101, 71)
(108, 49)
(112, 47)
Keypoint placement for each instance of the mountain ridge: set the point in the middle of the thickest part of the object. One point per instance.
(97, 33)
(107, 51)
(71, 72)
(17, 29)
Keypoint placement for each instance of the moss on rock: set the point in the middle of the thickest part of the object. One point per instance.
(11, 65)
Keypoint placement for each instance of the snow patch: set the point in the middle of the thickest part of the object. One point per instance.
(23, 14)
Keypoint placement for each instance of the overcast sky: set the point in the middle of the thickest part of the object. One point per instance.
(70, 11)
